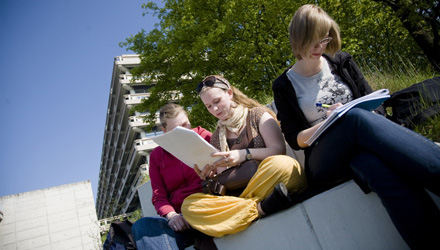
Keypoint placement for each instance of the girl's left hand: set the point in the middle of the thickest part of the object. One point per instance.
(230, 159)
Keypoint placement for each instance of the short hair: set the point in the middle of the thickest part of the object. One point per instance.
(170, 110)
(310, 24)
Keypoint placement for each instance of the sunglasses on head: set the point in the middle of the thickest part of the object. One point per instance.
(211, 81)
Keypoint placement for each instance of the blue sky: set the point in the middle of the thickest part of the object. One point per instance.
(56, 66)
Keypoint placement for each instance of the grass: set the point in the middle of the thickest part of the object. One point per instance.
(401, 77)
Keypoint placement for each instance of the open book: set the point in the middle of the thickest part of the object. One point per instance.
(187, 146)
(368, 102)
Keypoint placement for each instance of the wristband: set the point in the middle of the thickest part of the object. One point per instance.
(168, 217)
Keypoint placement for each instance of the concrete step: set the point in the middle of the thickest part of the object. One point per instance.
(340, 218)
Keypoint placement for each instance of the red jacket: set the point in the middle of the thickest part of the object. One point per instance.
(171, 180)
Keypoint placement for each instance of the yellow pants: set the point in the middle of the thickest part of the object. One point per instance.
(220, 215)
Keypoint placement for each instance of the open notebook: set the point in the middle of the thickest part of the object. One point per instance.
(368, 102)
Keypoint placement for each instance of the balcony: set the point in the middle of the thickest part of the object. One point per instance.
(125, 62)
(126, 80)
(144, 146)
(134, 99)
(138, 123)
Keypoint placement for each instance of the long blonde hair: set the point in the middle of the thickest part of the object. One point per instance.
(242, 99)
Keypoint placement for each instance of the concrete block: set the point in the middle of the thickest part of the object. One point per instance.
(50, 219)
(32, 233)
(30, 214)
(41, 248)
(90, 237)
(84, 202)
(90, 246)
(7, 228)
(288, 229)
(30, 204)
(51, 192)
(83, 194)
(7, 203)
(65, 225)
(61, 216)
(30, 244)
(86, 245)
(88, 211)
(345, 218)
(31, 223)
(145, 193)
(85, 220)
(61, 199)
(67, 244)
(89, 231)
(68, 205)
(67, 234)
(12, 246)
(341, 218)
(8, 220)
(8, 239)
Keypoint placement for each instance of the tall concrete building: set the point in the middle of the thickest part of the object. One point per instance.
(126, 146)
(61, 217)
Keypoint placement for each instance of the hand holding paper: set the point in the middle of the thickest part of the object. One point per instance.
(187, 146)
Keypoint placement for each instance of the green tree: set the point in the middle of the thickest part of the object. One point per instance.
(373, 34)
(247, 42)
(422, 20)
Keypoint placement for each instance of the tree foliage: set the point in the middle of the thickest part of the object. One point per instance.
(422, 20)
(373, 34)
(247, 42)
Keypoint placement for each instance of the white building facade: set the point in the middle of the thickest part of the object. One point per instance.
(126, 145)
(61, 217)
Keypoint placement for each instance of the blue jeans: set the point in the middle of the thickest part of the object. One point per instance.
(155, 234)
(393, 161)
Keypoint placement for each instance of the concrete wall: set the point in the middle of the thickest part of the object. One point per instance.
(340, 218)
(145, 193)
(61, 217)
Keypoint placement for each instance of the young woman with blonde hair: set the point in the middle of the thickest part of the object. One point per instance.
(393, 161)
(277, 174)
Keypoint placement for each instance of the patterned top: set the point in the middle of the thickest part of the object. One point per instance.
(256, 114)
(324, 87)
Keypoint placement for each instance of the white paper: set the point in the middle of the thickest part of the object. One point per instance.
(187, 146)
